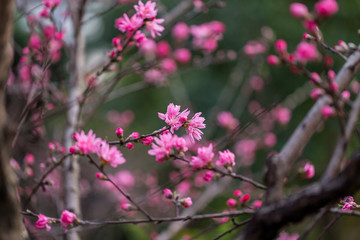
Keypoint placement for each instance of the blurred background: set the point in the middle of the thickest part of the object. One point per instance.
(234, 78)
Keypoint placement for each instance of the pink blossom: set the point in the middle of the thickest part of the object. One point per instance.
(29, 158)
(231, 202)
(217, 26)
(119, 132)
(346, 94)
(349, 206)
(334, 86)
(327, 111)
(86, 143)
(140, 38)
(253, 48)
(257, 204)
(208, 176)
(168, 193)
(310, 26)
(326, 8)
(180, 144)
(168, 65)
(173, 117)
(315, 78)
(147, 10)
(148, 46)
(135, 135)
(286, 236)
(147, 140)
(162, 148)
(186, 202)
(182, 55)
(163, 49)
(298, 10)
(280, 46)
(256, 83)
(272, 60)
(127, 207)
(155, 76)
(67, 218)
(192, 127)
(126, 24)
(282, 115)
(244, 198)
(181, 31)
(270, 139)
(204, 157)
(109, 155)
(308, 171)
(226, 119)
(316, 93)
(237, 193)
(226, 159)
(130, 145)
(348, 199)
(35, 41)
(154, 27)
(306, 52)
(43, 222)
(73, 149)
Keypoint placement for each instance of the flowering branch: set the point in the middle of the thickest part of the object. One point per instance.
(128, 197)
(41, 180)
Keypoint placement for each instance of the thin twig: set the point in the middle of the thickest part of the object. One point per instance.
(237, 225)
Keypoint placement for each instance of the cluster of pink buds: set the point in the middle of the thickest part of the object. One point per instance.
(176, 119)
(174, 197)
(348, 204)
(89, 143)
(207, 35)
(49, 6)
(67, 219)
(56, 147)
(322, 9)
(241, 200)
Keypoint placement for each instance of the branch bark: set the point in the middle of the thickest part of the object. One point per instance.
(278, 165)
(11, 226)
(71, 171)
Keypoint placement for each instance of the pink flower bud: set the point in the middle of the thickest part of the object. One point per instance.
(42, 222)
(273, 60)
(51, 146)
(345, 94)
(270, 139)
(327, 111)
(168, 194)
(186, 202)
(100, 176)
(237, 193)
(182, 55)
(147, 140)
(231, 202)
(130, 146)
(308, 171)
(334, 86)
(135, 135)
(316, 93)
(73, 149)
(245, 198)
(119, 132)
(127, 207)
(257, 204)
(315, 78)
(180, 31)
(116, 41)
(280, 46)
(298, 10)
(168, 65)
(29, 158)
(307, 36)
(163, 49)
(67, 218)
(306, 52)
(326, 8)
(208, 176)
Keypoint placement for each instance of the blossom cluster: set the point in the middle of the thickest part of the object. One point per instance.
(185, 202)
(89, 143)
(163, 147)
(67, 219)
(176, 119)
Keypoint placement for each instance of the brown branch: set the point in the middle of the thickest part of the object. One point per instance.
(41, 180)
(278, 165)
(270, 218)
(127, 196)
